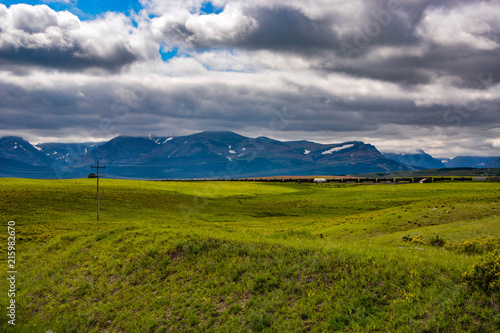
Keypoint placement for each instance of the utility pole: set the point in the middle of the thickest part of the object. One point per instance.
(97, 176)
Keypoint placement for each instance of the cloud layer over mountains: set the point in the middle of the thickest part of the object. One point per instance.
(398, 74)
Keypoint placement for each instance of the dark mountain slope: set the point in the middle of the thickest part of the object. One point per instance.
(469, 162)
(17, 149)
(67, 153)
(419, 160)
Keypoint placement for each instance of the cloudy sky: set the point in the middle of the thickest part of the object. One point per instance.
(399, 74)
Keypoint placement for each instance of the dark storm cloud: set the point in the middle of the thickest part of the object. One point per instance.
(468, 67)
(75, 58)
(302, 107)
(287, 29)
(220, 103)
(24, 109)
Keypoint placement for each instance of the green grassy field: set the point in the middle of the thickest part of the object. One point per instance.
(242, 257)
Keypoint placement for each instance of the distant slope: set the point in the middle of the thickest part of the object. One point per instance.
(67, 153)
(470, 162)
(495, 163)
(420, 160)
(121, 150)
(17, 149)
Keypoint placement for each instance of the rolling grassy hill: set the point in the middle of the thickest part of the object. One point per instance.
(242, 257)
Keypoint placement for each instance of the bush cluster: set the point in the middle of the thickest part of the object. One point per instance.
(476, 246)
(410, 239)
(434, 241)
(486, 274)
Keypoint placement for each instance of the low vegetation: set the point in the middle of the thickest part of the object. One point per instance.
(253, 257)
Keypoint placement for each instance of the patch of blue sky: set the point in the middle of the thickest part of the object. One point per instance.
(166, 55)
(8, 3)
(85, 9)
(209, 8)
(97, 7)
(174, 52)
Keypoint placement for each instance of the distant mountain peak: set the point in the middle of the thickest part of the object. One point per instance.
(10, 138)
(220, 135)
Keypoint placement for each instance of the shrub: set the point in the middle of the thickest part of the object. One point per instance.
(410, 239)
(486, 274)
(436, 241)
(476, 246)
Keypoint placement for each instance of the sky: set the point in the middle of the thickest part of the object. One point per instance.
(403, 75)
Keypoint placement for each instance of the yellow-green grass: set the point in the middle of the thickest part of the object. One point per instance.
(245, 256)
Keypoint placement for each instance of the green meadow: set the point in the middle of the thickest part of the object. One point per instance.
(252, 257)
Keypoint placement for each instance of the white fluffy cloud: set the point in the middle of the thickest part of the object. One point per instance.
(473, 24)
(40, 36)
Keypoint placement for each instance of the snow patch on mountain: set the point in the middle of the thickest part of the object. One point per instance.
(335, 149)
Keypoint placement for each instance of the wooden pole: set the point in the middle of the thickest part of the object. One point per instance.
(97, 190)
(98, 176)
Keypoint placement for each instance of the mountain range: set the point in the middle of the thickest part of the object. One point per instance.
(206, 155)
(422, 160)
